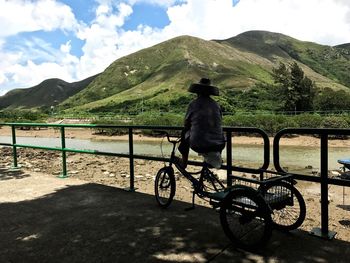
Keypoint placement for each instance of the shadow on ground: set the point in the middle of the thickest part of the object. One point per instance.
(345, 207)
(97, 223)
(8, 174)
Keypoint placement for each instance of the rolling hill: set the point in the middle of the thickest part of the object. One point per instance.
(48, 93)
(158, 77)
(331, 62)
(161, 74)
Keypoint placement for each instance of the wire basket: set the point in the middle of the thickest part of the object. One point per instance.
(275, 188)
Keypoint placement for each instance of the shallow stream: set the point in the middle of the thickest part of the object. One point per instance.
(293, 157)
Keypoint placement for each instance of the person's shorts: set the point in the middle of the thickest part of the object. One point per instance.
(212, 158)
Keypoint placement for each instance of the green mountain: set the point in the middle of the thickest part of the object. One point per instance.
(48, 93)
(330, 62)
(158, 77)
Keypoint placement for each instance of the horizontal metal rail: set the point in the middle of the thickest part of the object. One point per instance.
(323, 134)
(228, 130)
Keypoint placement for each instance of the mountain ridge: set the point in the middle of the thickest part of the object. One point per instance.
(49, 92)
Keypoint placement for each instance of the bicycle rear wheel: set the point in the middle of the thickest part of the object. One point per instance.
(289, 210)
(164, 186)
(246, 218)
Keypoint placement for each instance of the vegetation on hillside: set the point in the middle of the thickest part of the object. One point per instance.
(22, 116)
(331, 62)
(157, 78)
(48, 93)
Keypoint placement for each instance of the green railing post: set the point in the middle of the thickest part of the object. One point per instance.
(324, 231)
(14, 148)
(229, 157)
(131, 159)
(64, 157)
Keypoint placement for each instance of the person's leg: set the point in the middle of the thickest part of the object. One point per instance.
(213, 158)
(184, 149)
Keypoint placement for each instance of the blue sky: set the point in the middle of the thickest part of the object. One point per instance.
(74, 39)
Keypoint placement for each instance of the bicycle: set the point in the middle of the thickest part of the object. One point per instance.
(244, 215)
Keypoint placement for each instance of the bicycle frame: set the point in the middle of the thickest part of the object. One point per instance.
(197, 183)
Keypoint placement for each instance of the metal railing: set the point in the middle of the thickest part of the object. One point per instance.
(323, 178)
(228, 166)
(131, 156)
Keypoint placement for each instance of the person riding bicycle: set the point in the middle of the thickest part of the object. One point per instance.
(202, 126)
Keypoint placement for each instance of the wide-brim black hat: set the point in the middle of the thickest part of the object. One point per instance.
(204, 87)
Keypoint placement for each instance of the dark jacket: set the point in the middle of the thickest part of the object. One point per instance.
(203, 125)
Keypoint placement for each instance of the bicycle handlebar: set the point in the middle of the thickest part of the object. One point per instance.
(169, 137)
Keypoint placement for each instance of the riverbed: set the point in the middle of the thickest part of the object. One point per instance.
(292, 157)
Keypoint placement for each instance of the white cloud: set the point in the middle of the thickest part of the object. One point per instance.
(313, 20)
(34, 61)
(322, 21)
(102, 38)
(325, 21)
(164, 3)
(203, 18)
(26, 16)
(18, 68)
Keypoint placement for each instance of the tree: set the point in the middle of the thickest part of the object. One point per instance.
(296, 90)
(308, 93)
(330, 100)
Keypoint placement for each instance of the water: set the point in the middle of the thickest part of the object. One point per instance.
(302, 156)
(293, 157)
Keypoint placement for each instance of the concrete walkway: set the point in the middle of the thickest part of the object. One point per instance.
(46, 219)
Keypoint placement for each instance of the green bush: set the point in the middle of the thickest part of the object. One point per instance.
(22, 116)
(307, 120)
(270, 123)
(346, 117)
(335, 122)
(238, 120)
(110, 131)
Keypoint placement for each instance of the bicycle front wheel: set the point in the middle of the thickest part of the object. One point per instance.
(246, 218)
(164, 186)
